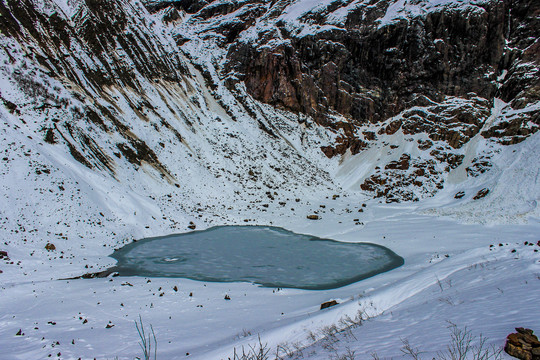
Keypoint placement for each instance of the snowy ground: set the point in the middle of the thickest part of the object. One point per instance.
(450, 271)
(228, 170)
(450, 274)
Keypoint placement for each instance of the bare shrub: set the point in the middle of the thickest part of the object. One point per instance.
(258, 351)
(298, 349)
(439, 283)
(329, 337)
(311, 336)
(347, 321)
(461, 347)
(289, 351)
(243, 334)
(348, 355)
(284, 351)
(408, 349)
(146, 342)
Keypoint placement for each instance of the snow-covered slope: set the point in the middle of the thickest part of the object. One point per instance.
(133, 149)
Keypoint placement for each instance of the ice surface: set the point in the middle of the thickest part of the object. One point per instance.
(269, 256)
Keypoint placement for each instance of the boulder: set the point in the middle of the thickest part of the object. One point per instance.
(480, 194)
(50, 247)
(328, 304)
(523, 345)
(459, 195)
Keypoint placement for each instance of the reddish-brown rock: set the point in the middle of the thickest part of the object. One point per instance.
(523, 345)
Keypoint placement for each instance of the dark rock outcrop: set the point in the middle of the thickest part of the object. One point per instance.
(50, 247)
(326, 305)
(370, 73)
(481, 194)
(523, 345)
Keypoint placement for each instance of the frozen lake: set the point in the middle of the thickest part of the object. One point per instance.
(269, 256)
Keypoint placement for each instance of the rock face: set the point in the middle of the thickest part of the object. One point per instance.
(370, 72)
(523, 345)
(369, 68)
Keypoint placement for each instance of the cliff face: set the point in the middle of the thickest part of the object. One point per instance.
(369, 72)
(326, 81)
(369, 68)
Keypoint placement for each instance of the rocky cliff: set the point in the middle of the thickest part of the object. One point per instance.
(122, 85)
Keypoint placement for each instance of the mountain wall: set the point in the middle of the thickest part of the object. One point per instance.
(395, 100)
(431, 71)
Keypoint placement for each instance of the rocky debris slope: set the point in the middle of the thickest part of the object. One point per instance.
(107, 82)
(435, 68)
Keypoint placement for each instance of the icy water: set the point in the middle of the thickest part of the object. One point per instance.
(268, 256)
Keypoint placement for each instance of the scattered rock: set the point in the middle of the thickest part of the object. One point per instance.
(4, 254)
(480, 194)
(459, 195)
(523, 345)
(99, 274)
(401, 164)
(19, 333)
(50, 247)
(328, 304)
(313, 217)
